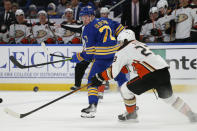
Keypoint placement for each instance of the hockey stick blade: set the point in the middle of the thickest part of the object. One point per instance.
(15, 62)
(48, 53)
(17, 115)
(12, 113)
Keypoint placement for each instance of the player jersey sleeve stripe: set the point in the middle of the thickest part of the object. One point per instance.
(79, 57)
(117, 33)
(102, 50)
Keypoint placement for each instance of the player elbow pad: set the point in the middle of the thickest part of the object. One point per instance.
(24, 41)
(50, 41)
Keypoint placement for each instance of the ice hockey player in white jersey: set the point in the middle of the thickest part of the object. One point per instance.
(69, 36)
(152, 71)
(45, 30)
(183, 16)
(149, 32)
(20, 30)
(194, 26)
(165, 22)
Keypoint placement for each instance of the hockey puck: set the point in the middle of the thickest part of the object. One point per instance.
(1, 100)
(35, 89)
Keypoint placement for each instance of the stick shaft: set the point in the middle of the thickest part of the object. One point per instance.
(15, 62)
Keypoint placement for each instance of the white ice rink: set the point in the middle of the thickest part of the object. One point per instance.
(64, 115)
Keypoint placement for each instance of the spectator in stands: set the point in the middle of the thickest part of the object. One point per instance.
(32, 12)
(14, 7)
(51, 11)
(106, 3)
(81, 4)
(61, 7)
(134, 14)
(173, 4)
(68, 36)
(194, 27)
(7, 16)
(98, 7)
(75, 6)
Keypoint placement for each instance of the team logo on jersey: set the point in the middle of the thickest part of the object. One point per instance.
(19, 33)
(166, 25)
(41, 33)
(68, 33)
(182, 17)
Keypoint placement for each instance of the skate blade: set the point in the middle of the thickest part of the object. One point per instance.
(89, 115)
(129, 121)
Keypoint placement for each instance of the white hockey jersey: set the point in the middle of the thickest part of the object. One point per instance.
(43, 31)
(138, 56)
(163, 23)
(67, 35)
(183, 17)
(146, 31)
(194, 14)
(19, 31)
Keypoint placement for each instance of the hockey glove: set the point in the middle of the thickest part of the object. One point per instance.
(76, 58)
(12, 41)
(24, 41)
(155, 32)
(168, 31)
(97, 80)
(60, 40)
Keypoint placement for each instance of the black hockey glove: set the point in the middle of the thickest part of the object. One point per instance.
(97, 80)
(155, 32)
(168, 31)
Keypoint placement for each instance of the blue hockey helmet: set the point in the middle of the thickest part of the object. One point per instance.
(87, 10)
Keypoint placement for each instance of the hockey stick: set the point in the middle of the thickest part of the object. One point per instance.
(17, 115)
(48, 53)
(54, 35)
(15, 62)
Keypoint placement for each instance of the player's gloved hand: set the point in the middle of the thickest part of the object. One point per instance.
(97, 80)
(155, 32)
(75, 58)
(168, 31)
(12, 41)
(24, 41)
(60, 40)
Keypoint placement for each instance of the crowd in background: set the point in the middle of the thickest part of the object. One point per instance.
(139, 15)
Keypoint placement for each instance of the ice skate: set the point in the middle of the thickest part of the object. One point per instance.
(74, 88)
(192, 117)
(89, 112)
(128, 117)
(107, 85)
(100, 95)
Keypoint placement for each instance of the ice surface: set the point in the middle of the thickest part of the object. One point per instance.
(64, 115)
